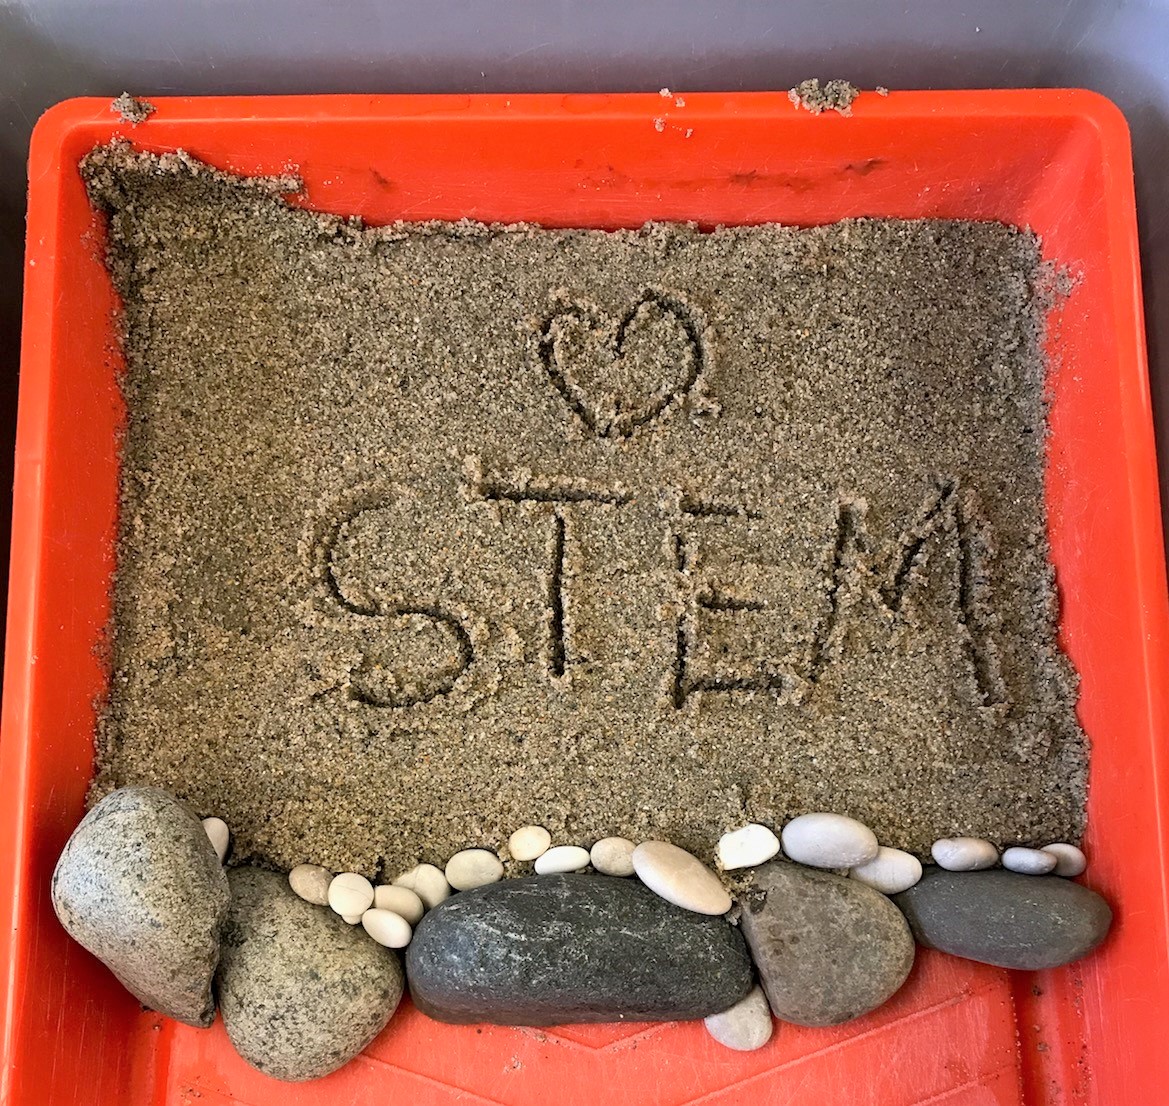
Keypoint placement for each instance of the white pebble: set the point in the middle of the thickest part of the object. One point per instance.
(352, 919)
(562, 858)
(680, 878)
(387, 928)
(613, 856)
(220, 836)
(473, 868)
(1029, 862)
(823, 840)
(350, 894)
(428, 883)
(1069, 861)
(889, 872)
(311, 883)
(529, 843)
(964, 854)
(746, 1026)
(747, 847)
(401, 900)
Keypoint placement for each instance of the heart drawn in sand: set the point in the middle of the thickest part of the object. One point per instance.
(619, 374)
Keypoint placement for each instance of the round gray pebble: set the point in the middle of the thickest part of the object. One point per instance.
(613, 856)
(301, 992)
(1029, 862)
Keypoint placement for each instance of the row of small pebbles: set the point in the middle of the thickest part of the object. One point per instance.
(975, 854)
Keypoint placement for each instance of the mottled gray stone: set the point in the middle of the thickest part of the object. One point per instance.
(140, 886)
(301, 991)
(552, 949)
(828, 949)
(1004, 918)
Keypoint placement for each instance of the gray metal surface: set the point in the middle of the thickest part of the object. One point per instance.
(54, 49)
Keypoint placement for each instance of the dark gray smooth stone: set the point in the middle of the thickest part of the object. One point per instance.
(549, 950)
(1004, 918)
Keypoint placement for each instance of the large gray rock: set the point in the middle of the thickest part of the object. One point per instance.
(139, 884)
(828, 949)
(301, 991)
(1004, 918)
(547, 950)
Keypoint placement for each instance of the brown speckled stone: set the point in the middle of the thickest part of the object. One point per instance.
(301, 992)
(140, 886)
(827, 949)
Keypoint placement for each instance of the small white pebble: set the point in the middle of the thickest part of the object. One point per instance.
(746, 1026)
(529, 843)
(659, 125)
(1029, 862)
(428, 883)
(665, 93)
(613, 856)
(473, 868)
(352, 919)
(387, 928)
(401, 900)
(562, 858)
(747, 847)
(680, 878)
(889, 872)
(220, 836)
(1069, 861)
(823, 840)
(311, 883)
(350, 894)
(964, 854)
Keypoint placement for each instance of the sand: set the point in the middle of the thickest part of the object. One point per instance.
(432, 531)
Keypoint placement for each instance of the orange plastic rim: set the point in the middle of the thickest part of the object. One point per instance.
(958, 1033)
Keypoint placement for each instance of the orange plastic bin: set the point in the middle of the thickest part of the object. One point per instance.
(959, 1033)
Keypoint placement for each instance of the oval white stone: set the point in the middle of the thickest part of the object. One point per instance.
(964, 854)
(562, 858)
(529, 843)
(473, 868)
(823, 840)
(220, 836)
(1069, 861)
(613, 856)
(1029, 862)
(401, 900)
(746, 1026)
(889, 872)
(352, 919)
(428, 883)
(387, 928)
(311, 883)
(680, 878)
(350, 894)
(747, 847)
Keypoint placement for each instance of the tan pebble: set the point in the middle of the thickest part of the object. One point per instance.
(529, 843)
(563, 858)
(680, 878)
(890, 871)
(387, 928)
(311, 883)
(746, 1026)
(350, 894)
(1069, 861)
(473, 868)
(401, 900)
(428, 883)
(613, 856)
(220, 836)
